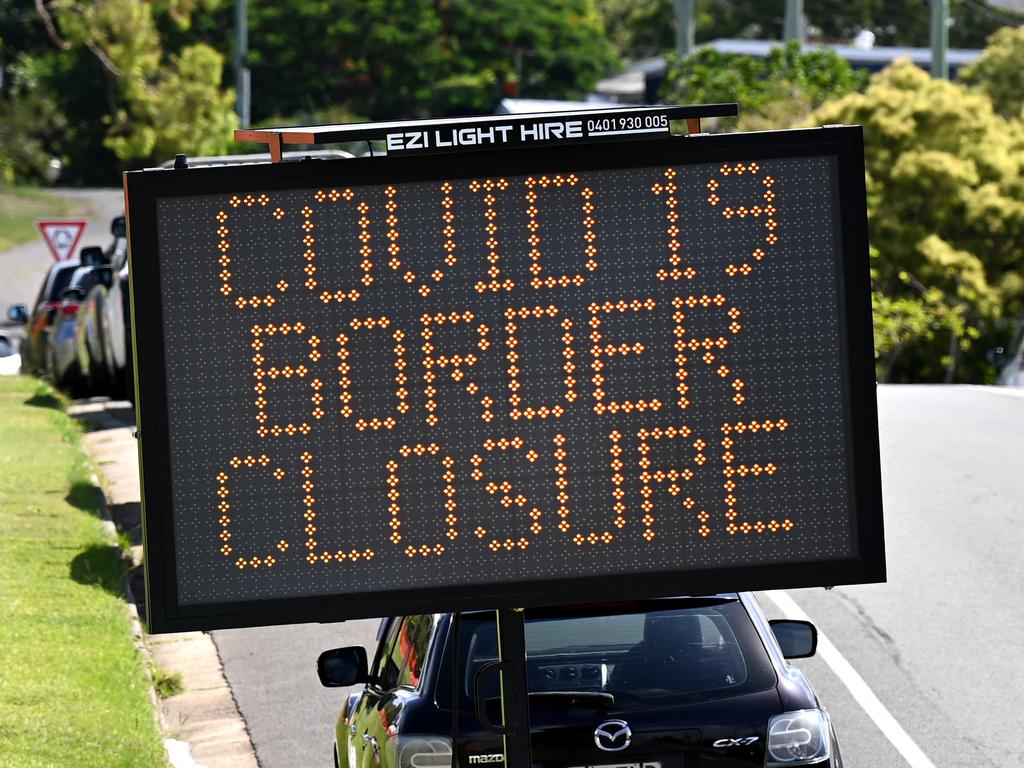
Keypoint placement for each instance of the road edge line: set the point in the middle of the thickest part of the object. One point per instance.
(856, 685)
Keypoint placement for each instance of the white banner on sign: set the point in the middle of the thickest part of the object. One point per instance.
(61, 236)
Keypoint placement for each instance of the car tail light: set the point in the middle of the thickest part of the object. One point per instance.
(69, 309)
(798, 738)
(424, 752)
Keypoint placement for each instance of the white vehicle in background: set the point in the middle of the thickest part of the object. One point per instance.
(10, 360)
(1010, 361)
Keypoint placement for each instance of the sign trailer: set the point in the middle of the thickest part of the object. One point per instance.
(559, 368)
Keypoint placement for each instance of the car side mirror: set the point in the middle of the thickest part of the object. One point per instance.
(118, 227)
(18, 313)
(797, 639)
(340, 667)
(996, 356)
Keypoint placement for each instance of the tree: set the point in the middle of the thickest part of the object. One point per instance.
(945, 179)
(407, 58)
(151, 94)
(113, 93)
(998, 72)
(771, 92)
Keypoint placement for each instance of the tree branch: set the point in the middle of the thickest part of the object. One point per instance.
(51, 28)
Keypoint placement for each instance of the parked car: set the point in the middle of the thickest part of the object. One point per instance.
(1010, 361)
(62, 362)
(39, 319)
(10, 360)
(659, 683)
(102, 334)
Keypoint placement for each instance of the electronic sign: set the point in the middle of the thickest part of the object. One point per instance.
(526, 377)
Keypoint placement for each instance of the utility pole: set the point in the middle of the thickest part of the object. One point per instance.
(685, 34)
(242, 96)
(793, 26)
(940, 39)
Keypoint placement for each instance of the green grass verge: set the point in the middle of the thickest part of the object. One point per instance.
(72, 687)
(21, 207)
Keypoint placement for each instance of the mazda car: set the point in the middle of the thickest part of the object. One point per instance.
(686, 682)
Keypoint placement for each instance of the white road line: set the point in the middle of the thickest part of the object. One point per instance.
(855, 684)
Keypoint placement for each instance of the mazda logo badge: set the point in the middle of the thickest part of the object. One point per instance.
(613, 735)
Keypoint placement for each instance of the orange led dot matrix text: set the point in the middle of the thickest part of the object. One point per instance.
(224, 250)
(262, 374)
(767, 210)
(515, 399)
(730, 432)
(449, 246)
(618, 493)
(675, 261)
(507, 496)
(313, 554)
(694, 345)
(345, 372)
(454, 362)
(365, 250)
(495, 282)
(600, 351)
(419, 450)
(539, 280)
(224, 508)
(671, 478)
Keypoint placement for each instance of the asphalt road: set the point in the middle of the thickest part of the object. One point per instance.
(24, 266)
(939, 645)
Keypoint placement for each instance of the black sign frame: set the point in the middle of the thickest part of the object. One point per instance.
(143, 189)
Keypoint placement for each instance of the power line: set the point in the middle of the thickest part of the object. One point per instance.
(984, 10)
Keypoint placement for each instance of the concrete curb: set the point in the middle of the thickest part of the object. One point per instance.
(202, 725)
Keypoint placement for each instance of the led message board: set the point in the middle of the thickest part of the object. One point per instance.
(388, 385)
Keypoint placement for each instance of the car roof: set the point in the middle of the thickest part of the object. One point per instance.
(206, 162)
(629, 606)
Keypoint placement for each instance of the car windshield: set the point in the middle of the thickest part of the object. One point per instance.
(6, 347)
(631, 660)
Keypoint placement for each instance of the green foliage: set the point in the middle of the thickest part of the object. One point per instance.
(784, 86)
(946, 206)
(998, 72)
(101, 91)
(167, 684)
(163, 104)
(185, 110)
(407, 58)
(29, 119)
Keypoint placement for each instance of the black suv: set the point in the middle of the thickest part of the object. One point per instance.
(676, 683)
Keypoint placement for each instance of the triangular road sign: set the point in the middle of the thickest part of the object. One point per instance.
(61, 236)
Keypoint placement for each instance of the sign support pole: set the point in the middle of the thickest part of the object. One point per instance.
(515, 703)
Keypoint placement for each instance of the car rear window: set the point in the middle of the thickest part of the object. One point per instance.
(61, 280)
(645, 659)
